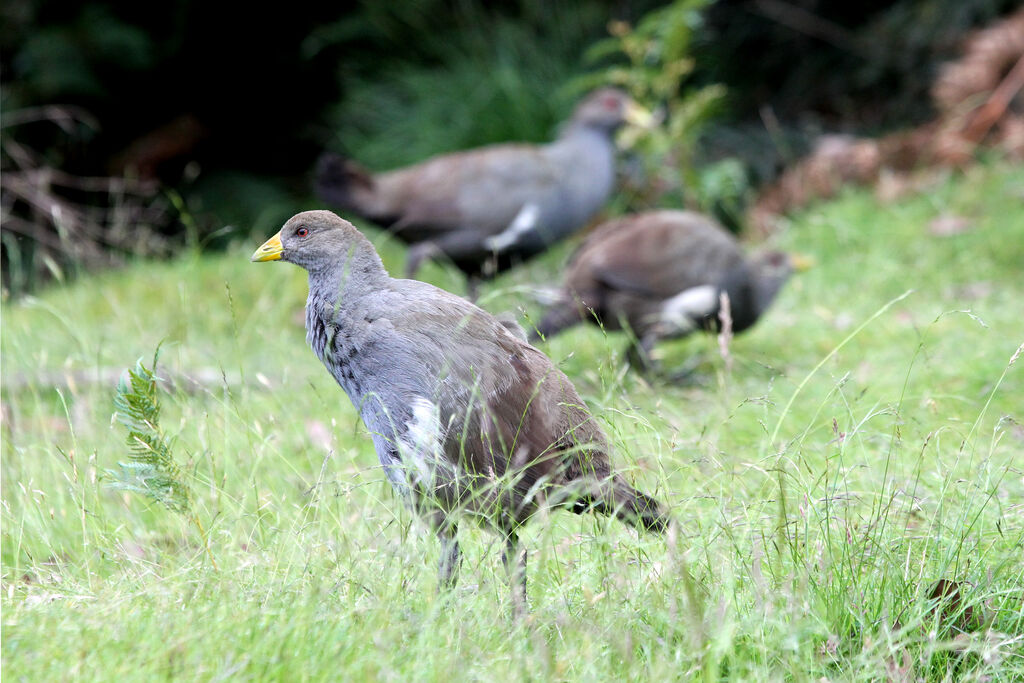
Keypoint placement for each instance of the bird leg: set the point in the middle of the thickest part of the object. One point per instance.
(419, 253)
(472, 288)
(515, 565)
(639, 354)
(448, 567)
(685, 375)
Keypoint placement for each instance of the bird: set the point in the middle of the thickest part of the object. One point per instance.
(469, 421)
(488, 208)
(662, 275)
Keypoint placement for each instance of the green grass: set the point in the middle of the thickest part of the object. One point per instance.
(822, 485)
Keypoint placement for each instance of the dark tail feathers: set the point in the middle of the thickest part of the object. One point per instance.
(339, 179)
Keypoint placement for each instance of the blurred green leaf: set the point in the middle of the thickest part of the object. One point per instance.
(653, 62)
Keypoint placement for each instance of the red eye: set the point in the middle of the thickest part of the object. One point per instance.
(302, 232)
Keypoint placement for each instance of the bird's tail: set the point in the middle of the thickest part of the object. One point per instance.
(343, 183)
(562, 315)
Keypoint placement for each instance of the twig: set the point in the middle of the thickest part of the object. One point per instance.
(808, 23)
(61, 115)
(989, 113)
(725, 334)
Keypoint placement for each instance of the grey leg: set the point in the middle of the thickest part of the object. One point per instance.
(448, 567)
(515, 564)
(461, 245)
(418, 253)
(472, 288)
(686, 373)
(639, 354)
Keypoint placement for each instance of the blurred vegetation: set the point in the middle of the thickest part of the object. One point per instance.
(485, 74)
(657, 72)
(799, 68)
(230, 109)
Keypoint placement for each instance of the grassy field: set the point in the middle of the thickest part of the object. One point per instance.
(865, 443)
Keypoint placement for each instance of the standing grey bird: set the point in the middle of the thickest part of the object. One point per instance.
(487, 208)
(661, 274)
(468, 420)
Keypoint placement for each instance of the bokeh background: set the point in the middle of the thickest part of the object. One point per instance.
(148, 127)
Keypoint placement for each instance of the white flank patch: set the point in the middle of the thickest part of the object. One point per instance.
(523, 223)
(545, 296)
(681, 312)
(421, 444)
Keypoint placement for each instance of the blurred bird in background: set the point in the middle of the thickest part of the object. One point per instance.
(661, 275)
(486, 209)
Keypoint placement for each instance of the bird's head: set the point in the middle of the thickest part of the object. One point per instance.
(772, 269)
(608, 109)
(319, 241)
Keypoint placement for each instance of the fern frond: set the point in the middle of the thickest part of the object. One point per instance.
(146, 480)
(151, 470)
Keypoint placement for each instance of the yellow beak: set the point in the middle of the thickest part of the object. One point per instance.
(638, 116)
(270, 251)
(802, 262)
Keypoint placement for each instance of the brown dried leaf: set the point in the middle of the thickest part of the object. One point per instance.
(899, 672)
(950, 605)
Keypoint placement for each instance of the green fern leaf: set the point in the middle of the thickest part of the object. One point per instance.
(150, 470)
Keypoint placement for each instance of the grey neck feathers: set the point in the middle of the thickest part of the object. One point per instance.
(744, 299)
(586, 133)
(590, 148)
(338, 298)
(766, 288)
(356, 273)
(751, 288)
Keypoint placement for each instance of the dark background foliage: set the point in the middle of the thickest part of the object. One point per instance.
(228, 106)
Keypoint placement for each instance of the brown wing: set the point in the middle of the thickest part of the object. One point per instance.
(538, 433)
(654, 255)
(515, 418)
(481, 189)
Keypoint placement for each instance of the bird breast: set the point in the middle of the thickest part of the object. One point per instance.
(336, 349)
(587, 160)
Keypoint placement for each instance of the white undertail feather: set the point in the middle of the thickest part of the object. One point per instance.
(681, 312)
(421, 447)
(523, 223)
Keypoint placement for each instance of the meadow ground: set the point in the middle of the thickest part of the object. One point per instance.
(865, 443)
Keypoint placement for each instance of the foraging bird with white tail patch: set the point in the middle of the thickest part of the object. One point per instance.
(469, 421)
(488, 208)
(662, 274)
